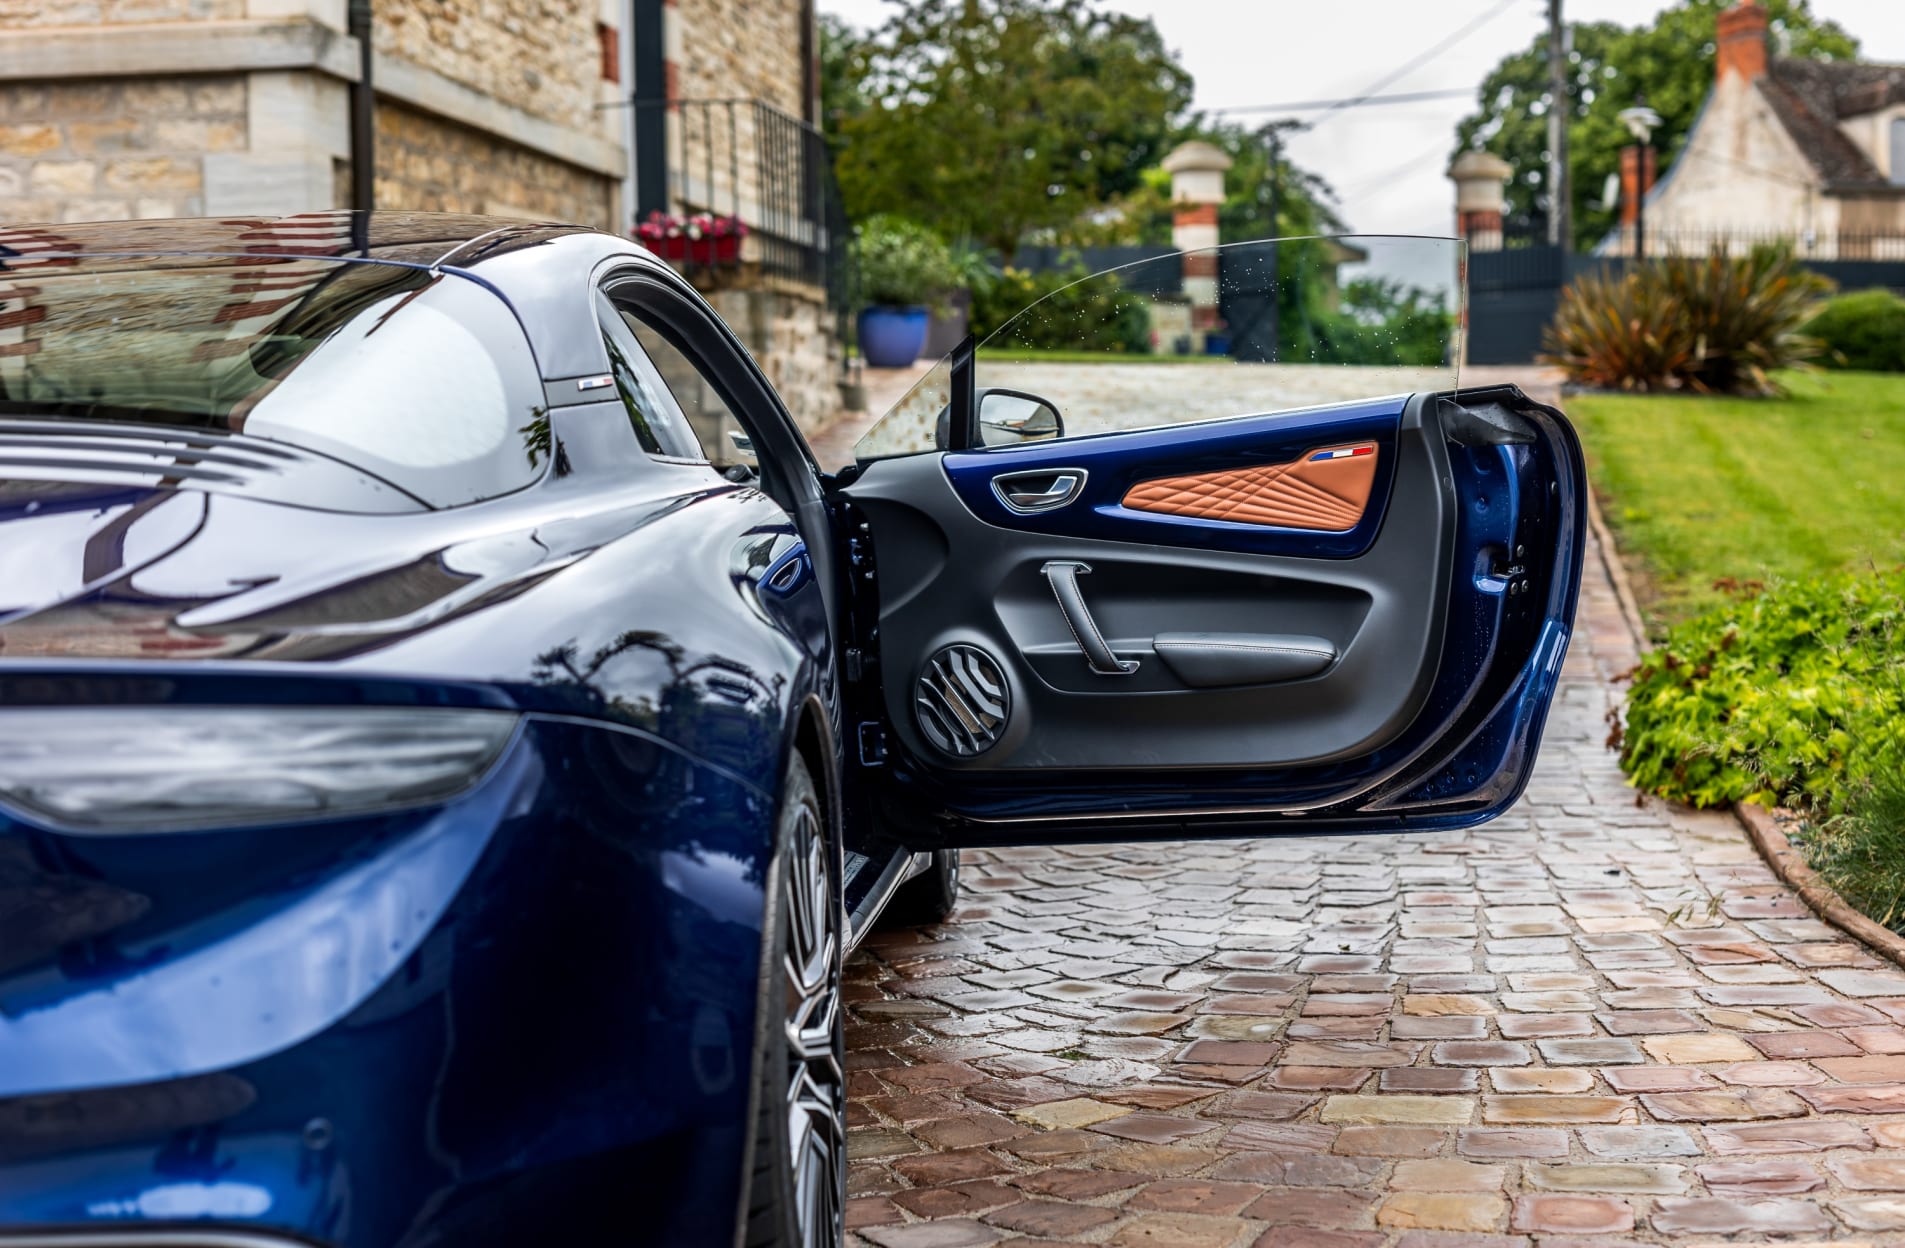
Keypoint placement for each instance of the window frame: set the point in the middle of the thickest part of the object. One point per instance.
(675, 427)
(784, 464)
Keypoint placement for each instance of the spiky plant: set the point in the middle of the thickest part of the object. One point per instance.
(1714, 324)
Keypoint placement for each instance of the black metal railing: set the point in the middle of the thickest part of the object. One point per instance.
(1861, 245)
(1806, 244)
(747, 159)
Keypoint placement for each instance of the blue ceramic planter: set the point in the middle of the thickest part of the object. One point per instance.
(891, 337)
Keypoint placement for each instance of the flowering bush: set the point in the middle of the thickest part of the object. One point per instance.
(658, 226)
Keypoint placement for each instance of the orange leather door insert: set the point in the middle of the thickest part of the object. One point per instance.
(1326, 489)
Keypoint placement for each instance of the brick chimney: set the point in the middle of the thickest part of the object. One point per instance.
(1740, 33)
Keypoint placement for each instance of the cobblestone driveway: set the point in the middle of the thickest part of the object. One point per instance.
(1590, 1023)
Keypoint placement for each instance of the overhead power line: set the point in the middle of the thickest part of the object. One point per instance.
(1423, 58)
(1308, 106)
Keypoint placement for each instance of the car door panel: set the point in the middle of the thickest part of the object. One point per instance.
(1376, 611)
(1144, 462)
(1393, 673)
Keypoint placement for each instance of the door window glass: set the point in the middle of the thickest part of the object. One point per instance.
(1243, 329)
(659, 423)
(719, 437)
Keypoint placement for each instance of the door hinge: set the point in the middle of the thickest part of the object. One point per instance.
(872, 745)
(860, 665)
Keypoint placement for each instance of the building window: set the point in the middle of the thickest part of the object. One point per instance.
(609, 40)
(1898, 151)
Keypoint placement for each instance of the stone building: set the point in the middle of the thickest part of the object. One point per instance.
(591, 111)
(1808, 150)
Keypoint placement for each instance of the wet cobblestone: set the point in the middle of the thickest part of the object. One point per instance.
(1595, 1022)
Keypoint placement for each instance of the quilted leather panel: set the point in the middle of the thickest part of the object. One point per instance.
(1326, 494)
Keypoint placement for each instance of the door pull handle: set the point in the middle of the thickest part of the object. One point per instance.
(1028, 493)
(1063, 576)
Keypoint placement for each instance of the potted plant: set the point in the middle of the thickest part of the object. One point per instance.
(952, 315)
(700, 239)
(902, 267)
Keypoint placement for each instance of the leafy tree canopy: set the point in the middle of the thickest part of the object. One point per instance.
(990, 119)
(1305, 202)
(1669, 61)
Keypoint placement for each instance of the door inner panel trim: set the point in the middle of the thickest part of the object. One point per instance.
(1325, 489)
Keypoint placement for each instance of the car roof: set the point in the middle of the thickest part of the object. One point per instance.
(426, 239)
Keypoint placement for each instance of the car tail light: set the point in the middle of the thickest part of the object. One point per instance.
(128, 769)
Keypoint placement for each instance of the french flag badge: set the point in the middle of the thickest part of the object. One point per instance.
(1345, 452)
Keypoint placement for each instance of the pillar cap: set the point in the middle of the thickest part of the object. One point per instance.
(1196, 156)
(1477, 166)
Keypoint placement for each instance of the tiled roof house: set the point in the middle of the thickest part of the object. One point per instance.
(1803, 149)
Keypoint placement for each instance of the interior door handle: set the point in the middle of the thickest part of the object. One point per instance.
(1042, 490)
(1063, 576)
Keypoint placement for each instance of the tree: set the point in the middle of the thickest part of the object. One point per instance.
(1669, 61)
(842, 58)
(990, 119)
(1386, 321)
(1306, 204)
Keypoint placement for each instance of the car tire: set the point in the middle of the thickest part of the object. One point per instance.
(797, 1180)
(928, 897)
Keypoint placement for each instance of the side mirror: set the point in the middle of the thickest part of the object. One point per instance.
(1010, 416)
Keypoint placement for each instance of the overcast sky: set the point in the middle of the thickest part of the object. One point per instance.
(1386, 163)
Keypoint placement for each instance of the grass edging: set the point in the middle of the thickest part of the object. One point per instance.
(1616, 573)
(1786, 863)
(1790, 866)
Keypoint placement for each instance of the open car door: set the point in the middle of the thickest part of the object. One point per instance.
(1265, 568)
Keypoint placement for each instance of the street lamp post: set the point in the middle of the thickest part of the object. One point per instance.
(1640, 121)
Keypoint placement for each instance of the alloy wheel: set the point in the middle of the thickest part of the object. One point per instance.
(816, 1079)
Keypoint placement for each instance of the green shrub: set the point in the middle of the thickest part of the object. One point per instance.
(1861, 854)
(898, 263)
(1863, 330)
(1790, 696)
(1715, 324)
(1075, 312)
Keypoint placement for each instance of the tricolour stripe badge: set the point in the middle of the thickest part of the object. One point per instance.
(1345, 452)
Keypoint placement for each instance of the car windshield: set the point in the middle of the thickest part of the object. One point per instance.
(1242, 329)
(423, 380)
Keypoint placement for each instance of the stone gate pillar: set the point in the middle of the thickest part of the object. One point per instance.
(1480, 195)
(1197, 189)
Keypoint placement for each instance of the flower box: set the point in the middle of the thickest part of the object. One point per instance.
(700, 239)
(721, 249)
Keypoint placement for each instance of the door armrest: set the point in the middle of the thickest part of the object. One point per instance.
(1218, 660)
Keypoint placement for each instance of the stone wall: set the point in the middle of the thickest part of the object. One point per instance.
(730, 50)
(748, 51)
(539, 55)
(789, 331)
(25, 14)
(425, 162)
(741, 48)
(490, 106)
(102, 149)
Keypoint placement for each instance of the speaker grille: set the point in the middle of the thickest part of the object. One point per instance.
(961, 701)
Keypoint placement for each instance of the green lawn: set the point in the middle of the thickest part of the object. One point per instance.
(1699, 489)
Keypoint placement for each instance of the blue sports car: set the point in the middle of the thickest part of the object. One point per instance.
(451, 730)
